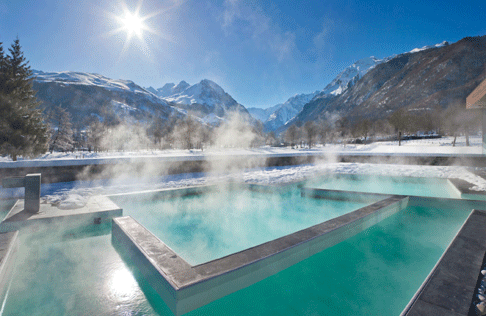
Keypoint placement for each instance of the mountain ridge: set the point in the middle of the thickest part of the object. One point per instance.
(436, 77)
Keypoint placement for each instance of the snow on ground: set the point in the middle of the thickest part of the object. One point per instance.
(70, 194)
(441, 147)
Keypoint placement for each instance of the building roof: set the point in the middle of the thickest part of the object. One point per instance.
(477, 98)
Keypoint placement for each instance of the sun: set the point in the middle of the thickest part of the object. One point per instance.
(132, 23)
(137, 26)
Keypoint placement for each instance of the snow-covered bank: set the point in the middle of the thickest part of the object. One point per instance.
(441, 147)
(58, 192)
(270, 175)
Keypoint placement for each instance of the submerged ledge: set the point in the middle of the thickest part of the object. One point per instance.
(184, 287)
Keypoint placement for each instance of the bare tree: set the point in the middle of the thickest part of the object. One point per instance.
(187, 132)
(400, 120)
(291, 135)
(362, 129)
(156, 131)
(61, 130)
(95, 133)
(310, 132)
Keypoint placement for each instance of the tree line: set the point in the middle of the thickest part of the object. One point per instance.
(23, 129)
(26, 131)
(400, 124)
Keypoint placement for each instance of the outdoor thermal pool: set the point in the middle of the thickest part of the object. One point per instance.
(225, 220)
(376, 271)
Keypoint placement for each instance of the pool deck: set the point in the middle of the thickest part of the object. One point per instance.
(185, 288)
(450, 286)
(98, 209)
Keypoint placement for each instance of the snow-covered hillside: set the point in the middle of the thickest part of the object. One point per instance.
(416, 50)
(89, 79)
(88, 96)
(170, 89)
(279, 114)
(287, 111)
(352, 74)
(206, 100)
(262, 114)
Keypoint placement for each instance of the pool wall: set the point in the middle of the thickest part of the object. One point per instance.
(342, 195)
(464, 189)
(185, 288)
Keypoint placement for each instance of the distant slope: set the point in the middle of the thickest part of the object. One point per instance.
(287, 111)
(440, 76)
(275, 118)
(277, 115)
(87, 96)
(206, 100)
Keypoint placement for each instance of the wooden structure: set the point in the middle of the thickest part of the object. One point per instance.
(477, 100)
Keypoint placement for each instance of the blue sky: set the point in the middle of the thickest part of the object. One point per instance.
(261, 52)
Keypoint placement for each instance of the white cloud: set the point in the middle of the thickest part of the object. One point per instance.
(246, 18)
(321, 39)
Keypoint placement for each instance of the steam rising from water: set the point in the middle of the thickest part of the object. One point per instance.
(227, 219)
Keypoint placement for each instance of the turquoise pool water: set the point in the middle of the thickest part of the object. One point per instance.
(80, 276)
(204, 227)
(432, 187)
(5, 207)
(375, 272)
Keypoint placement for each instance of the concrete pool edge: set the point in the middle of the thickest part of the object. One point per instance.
(450, 285)
(463, 188)
(97, 210)
(344, 195)
(185, 288)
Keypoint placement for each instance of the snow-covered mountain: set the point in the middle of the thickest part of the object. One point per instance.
(88, 96)
(276, 116)
(89, 79)
(351, 75)
(279, 114)
(275, 119)
(431, 77)
(416, 50)
(262, 114)
(170, 89)
(205, 99)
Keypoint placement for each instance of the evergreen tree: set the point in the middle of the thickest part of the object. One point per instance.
(22, 127)
(3, 69)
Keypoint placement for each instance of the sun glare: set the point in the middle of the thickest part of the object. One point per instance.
(133, 24)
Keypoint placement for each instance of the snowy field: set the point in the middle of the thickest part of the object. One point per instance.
(440, 147)
(72, 194)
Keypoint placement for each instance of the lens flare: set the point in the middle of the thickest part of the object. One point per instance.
(132, 23)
